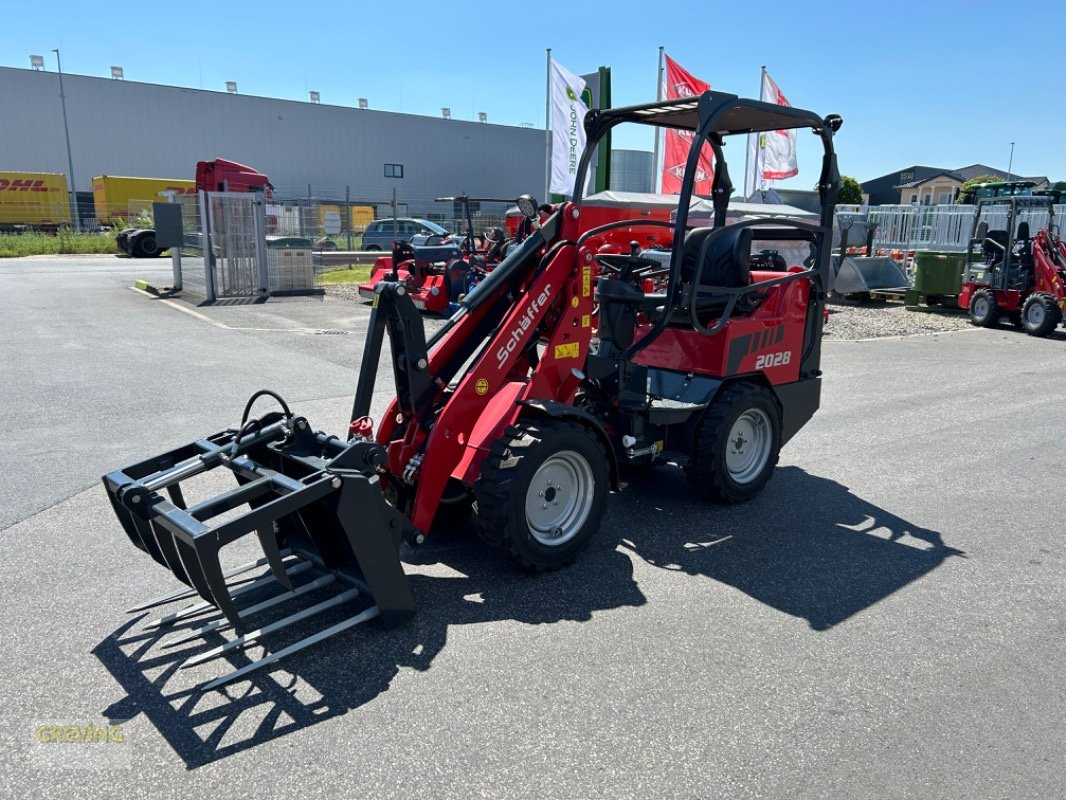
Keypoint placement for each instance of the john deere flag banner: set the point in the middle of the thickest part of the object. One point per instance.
(680, 83)
(568, 127)
(772, 153)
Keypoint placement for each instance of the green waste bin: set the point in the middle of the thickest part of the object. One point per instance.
(938, 274)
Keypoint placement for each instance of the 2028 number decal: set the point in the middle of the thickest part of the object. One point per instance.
(773, 359)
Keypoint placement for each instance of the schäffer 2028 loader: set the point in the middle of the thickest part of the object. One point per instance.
(559, 368)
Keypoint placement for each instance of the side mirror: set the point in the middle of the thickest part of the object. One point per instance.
(834, 121)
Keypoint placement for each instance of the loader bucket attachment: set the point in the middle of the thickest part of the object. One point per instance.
(869, 273)
(312, 501)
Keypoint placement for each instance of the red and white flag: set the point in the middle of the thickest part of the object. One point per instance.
(772, 153)
(680, 83)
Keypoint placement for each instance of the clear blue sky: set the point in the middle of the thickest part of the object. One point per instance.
(910, 79)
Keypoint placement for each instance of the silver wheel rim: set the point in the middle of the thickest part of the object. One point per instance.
(1035, 315)
(747, 448)
(980, 307)
(559, 498)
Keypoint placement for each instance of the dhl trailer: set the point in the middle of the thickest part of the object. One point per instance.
(33, 200)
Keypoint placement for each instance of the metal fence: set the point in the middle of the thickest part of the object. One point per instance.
(223, 254)
(942, 227)
(336, 217)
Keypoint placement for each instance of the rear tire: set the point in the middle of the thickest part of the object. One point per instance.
(541, 492)
(1040, 314)
(737, 444)
(984, 312)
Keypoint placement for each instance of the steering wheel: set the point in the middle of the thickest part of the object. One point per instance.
(631, 266)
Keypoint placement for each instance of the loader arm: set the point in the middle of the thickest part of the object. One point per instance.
(459, 391)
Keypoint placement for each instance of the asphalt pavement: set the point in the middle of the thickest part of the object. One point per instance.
(885, 620)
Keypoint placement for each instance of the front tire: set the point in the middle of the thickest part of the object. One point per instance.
(984, 312)
(1040, 314)
(146, 247)
(737, 444)
(541, 492)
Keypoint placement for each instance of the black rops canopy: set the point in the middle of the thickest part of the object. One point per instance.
(732, 115)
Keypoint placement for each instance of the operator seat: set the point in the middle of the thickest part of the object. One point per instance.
(1021, 268)
(725, 262)
(991, 253)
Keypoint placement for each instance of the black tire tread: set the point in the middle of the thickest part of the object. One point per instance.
(702, 469)
(492, 491)
(994, 310)
(1052, 318)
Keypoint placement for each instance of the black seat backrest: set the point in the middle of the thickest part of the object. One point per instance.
(726, 261)
(991, 252)
(1024, 246)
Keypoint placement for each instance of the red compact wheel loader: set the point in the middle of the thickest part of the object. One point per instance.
(1012, 273)
(558, 369)
(438, 271)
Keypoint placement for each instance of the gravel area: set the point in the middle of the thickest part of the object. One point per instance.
(876, 320)
(345, 292)
(846, 322)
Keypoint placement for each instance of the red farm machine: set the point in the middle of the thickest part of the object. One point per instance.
(521, 408)
(1011, 272)
(437, 271)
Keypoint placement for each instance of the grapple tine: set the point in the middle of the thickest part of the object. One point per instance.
(199, 608)
(176, 497)
(211, 572)
(255, 635)
(182, 594)
(271, 658)
(270, 602)
(166, 544)
(191, 564)
(268, 540)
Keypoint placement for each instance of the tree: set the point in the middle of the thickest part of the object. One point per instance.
(850, 191)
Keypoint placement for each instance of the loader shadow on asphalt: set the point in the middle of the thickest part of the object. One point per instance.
(806, 547)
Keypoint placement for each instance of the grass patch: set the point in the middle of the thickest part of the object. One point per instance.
(344, 275)
(65, 242)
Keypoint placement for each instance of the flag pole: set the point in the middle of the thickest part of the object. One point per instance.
(547, 128)
(657, 175)
(755, 182)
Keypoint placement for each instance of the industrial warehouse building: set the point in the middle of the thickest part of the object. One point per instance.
(122, 127)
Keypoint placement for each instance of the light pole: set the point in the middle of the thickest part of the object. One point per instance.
(70, 158)
(1011, 162)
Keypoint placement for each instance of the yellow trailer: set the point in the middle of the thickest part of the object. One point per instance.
(34, 199)
(123, 198)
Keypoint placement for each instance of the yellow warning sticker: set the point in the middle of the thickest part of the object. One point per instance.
(586, 281)
(586, 320)
(568, 350)
(374, 304)
(574, 302)
(482, 386)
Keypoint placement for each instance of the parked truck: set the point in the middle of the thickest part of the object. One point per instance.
(33, 200)
(118, 197)
(219, 175)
